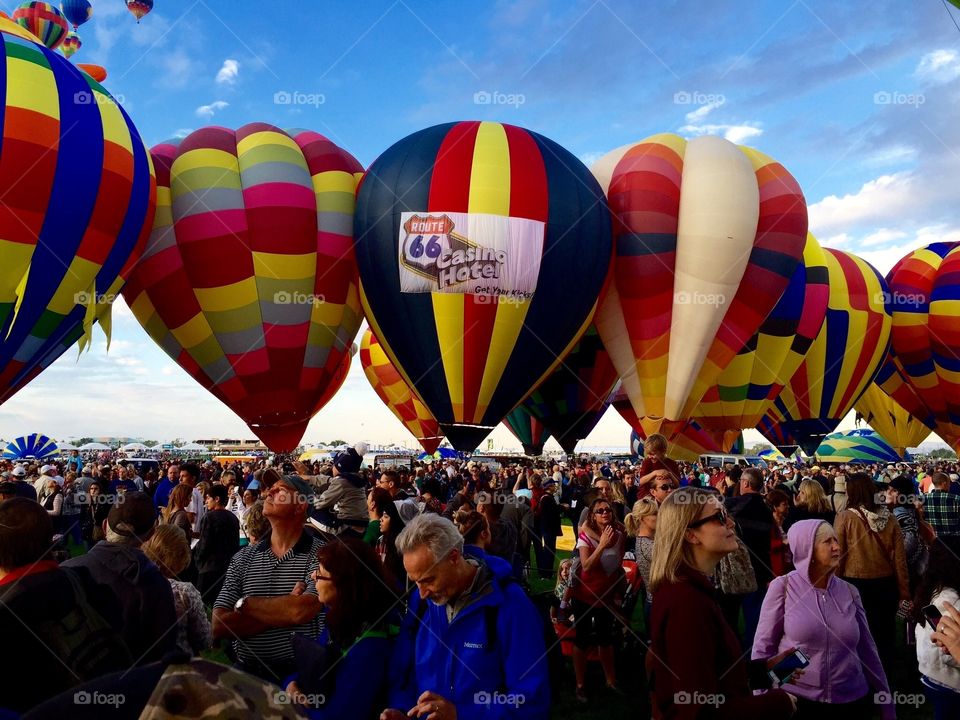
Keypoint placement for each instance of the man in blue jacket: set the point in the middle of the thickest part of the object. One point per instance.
(471, 645)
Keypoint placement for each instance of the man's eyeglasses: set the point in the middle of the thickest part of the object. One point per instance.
(720, 516)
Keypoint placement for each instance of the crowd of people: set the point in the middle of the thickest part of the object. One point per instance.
(337, 591)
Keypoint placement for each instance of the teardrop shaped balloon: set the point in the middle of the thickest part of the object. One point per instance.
(78, 202)
(466, 237)
(571, 401)
(844, 358)
(925, 340)
(139, 8)
(249, 280)
(686, 440)
(708, 235)
(77, 12)
(71, 43)
(749, 384)
(44, 21)
(890, 419)
(529, 431)
(397, 395)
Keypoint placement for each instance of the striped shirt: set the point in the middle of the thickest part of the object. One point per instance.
(256, 571)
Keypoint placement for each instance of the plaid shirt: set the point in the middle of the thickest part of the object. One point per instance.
(942, 510)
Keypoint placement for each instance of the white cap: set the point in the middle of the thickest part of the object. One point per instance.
(46, 468)
(19, 471)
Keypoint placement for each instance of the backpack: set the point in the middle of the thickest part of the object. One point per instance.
(82, 639)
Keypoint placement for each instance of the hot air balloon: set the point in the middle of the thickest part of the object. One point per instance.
(44, 20)
(466, 237)
(856, 446)
(71, 43)
(77, 11)
(750, 383)
(139, 8)
(78, 202)
(925, 340)
(249, 281)
(708, 236)
(35, 445)
(97, 72)
(397, 395)
(891, 420)
(571, 401)
(527, 429)
(843, 359)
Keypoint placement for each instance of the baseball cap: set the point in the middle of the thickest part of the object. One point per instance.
(298, 485)
(134, 517)
(19, 471)
(46, 468)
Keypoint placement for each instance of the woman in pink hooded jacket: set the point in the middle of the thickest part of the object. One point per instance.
(822, 615)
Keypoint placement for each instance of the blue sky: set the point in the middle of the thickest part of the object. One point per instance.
(856, 99)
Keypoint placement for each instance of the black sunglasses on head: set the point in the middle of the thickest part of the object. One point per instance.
(720, 516)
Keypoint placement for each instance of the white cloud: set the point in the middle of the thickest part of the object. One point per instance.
(893, 155)
(733, 133)
(208, 111)
(701, 112)
(939, 66)
(882, 237)
(887, 198)
(228, 73)
(182, 133)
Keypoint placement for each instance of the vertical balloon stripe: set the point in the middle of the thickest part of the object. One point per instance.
(449, 184)
(490, 171)
(449, 319)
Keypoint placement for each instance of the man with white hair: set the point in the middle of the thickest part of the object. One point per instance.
(24, 489)
(471, 645)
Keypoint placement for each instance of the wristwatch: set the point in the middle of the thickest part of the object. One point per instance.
(239, 604)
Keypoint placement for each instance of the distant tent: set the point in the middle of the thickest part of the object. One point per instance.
(94, 446)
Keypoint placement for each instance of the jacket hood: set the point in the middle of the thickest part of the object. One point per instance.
(501, 570)
(125, 560)
(801, 537)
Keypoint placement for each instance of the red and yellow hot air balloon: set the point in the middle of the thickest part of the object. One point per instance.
(925, 340)
(708, 235)
(397, 395)
(891, 420)
(139, 8)
(686, 441)
(249, 280)
(78, 202)
(44, 20)
(842, 361)
(483, 248)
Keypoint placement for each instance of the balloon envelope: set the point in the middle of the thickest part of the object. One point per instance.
(71, 43)
(529, 431)
(397, 395)
(139, 8)
(77, 12)
(842, 361)
(249, 281)
(44, 20)
(708, 236)
(856, 446)
(97, 72)
(466, 237)
(34, 445)
(78, 201)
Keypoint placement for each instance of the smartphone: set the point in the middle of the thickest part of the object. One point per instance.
(782, 671)
(932, 614)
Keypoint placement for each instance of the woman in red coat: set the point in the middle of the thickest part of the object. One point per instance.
(696, 666)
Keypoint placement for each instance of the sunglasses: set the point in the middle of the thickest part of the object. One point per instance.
(720, 517)
(602, 511)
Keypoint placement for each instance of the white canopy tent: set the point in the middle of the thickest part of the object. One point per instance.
(94, 446)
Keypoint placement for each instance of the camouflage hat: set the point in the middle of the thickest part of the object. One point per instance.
(205, 689)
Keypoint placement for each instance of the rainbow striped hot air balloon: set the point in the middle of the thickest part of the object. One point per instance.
(249, 280)
(397, 395)
(139, 8)
(467, 235)
(571, 401)
(71, 43)
(685, 440)
(842, 361)
(925, 295)
(529, 431)
(78, 202)
(44, 20)
(708, 236)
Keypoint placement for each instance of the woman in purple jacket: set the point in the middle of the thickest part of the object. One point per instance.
(822, 615)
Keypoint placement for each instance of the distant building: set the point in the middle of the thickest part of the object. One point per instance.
(232, 445)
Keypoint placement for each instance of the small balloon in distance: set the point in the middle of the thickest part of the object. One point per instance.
(97, 72)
